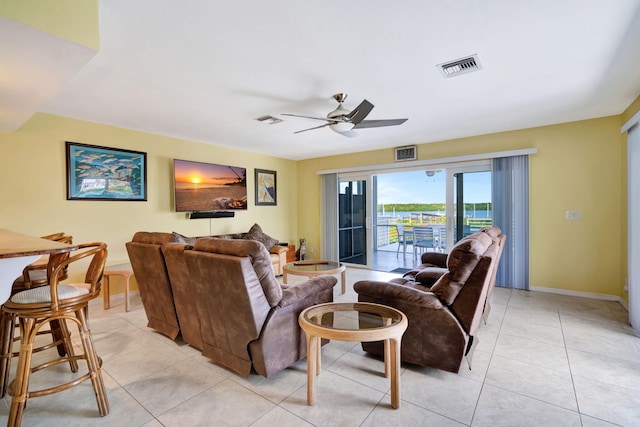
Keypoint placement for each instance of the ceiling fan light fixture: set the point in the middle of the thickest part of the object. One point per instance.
(341, 127)
(338, 113)
(342, 121)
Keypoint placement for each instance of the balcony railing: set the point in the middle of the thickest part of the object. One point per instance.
(387, 233)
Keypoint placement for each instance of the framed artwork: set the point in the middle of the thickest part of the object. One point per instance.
(265, 188)
(103, 173)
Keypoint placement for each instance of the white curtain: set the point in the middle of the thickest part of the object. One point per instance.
(510, 204)
(633, 201)
(329, 219)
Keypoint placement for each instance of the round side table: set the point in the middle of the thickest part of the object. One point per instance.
(314, 268)
(375, 323)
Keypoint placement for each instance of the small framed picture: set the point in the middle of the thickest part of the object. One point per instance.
(103, 173)
(265, 187)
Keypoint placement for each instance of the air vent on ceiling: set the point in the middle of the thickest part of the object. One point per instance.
(460, 66)
(269, 119)
(405, 153)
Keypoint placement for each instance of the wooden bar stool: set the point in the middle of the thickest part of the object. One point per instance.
(39, 306)
(125, 271)
(34, 275)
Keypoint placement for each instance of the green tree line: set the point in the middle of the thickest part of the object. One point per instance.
(426, 207)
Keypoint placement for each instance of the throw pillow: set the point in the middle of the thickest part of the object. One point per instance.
(184, 239)
(256, 233)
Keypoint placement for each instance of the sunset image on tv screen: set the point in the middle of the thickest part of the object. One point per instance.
(209, 187)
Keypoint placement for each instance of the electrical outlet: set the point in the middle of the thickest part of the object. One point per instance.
(573, 215)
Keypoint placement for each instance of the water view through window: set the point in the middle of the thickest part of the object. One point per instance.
(418, 198)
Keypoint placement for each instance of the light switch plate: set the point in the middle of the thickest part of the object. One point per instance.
(573, 215)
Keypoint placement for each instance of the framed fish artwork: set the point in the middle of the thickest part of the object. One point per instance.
(265, 182)
(103, 173)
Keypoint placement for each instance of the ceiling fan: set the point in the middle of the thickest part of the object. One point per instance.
(344, 121)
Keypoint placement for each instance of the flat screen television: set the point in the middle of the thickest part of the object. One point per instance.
(205, 187)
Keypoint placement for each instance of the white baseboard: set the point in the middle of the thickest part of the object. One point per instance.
(604, 297)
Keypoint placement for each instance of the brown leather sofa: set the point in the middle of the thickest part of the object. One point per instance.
(157, 260)
(277, 253)
(148, 264)
(443, 318)
(182, 289)
(249, 322)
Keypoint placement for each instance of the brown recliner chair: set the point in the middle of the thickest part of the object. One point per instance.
(444, 318)
(147, 262)
(434, 265)
(183, 296)
(249, 321)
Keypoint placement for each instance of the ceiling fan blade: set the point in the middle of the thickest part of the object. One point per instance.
(379, 123)
(317, 127)
(307, 117)
(360, 112)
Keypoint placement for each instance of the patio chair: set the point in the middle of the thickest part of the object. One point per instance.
(442, 238)
(423, 238)
(404, 237)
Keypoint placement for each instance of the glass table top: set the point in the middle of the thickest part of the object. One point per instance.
(352, 316)
(313, 265)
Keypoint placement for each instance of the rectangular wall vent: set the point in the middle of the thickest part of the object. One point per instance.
(460, 66)
(403, 154)
(271, 120)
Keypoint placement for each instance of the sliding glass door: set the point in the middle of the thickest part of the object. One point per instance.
(353, 221)
(453, 200)
(472, 202)
(404, 199)
(375, 210)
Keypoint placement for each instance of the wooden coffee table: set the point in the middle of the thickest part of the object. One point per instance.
(314, 268)
(375, 323)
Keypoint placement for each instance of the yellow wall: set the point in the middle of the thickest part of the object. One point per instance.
(578, 166)
(33, 186)
(74, 20)
(633, 108)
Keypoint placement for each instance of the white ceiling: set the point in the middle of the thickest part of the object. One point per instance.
(204, 71)
(34, 66)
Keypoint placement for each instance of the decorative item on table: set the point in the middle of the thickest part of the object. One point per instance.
(301, 253)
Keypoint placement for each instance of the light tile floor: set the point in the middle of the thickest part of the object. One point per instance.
(542, 360)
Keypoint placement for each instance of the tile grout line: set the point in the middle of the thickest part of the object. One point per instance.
(566, 352)
(484, 379)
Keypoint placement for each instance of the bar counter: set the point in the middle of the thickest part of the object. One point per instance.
(19, 250)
